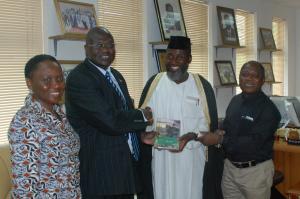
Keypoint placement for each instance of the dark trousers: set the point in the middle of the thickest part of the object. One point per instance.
(146, 172)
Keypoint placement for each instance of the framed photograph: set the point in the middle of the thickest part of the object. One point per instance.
(267, 39)
(161, 59)
(68, 66)
(170, 18)
(75, 17)
(226, 73)
(227, 25)
(269, 75)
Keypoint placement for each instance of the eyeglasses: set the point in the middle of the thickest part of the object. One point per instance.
(101, 45)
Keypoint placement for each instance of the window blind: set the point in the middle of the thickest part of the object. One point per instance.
(124, 19)
(195, 15)
(245, 26)
(278, 25)
(20, 38)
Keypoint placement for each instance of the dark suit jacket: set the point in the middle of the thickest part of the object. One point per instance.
(95, 111)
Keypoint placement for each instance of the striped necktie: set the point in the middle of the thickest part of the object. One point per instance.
(132, 136)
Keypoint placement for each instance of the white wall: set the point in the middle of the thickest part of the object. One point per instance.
(296, 40)
(264, 11)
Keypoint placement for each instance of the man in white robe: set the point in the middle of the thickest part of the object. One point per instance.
(188, 98)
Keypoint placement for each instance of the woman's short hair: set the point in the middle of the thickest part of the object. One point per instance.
(33, 63)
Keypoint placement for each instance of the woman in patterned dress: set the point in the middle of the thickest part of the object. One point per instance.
(44, 147)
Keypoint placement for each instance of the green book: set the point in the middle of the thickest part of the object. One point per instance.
(169, 132)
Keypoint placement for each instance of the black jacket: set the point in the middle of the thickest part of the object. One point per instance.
(95, 111)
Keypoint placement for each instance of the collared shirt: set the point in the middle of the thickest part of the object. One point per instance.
(104, 72)
(250, 124)
(118, 86)
(44, 150)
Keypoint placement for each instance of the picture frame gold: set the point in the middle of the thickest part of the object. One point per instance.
(227, 26)
(226, 72)
(161, 55)
(170, 18)
(75, 18)
(267, 39)
(269, 75)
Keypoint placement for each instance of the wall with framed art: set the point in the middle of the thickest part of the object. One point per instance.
(75, 17)
(74, 50)
(170, 18)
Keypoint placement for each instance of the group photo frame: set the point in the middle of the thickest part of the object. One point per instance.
(267, 39)
(269, 75)
(227, 26)
(75, 18)
(161, 55)
(170, 18)
(226, 72)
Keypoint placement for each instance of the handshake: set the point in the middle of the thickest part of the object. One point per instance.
(147, 112)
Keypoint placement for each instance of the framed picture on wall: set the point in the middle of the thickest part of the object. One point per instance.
(160, 59)
(267, 39)
(226, 73)
(68, 66)
(227, 25)
(269, 75)
(170, 18)
(75, 17)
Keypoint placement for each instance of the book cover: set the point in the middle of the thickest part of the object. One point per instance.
(169, 131)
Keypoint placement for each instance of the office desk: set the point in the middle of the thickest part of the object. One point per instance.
(287, 160)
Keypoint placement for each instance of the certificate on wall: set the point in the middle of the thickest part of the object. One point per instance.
(169, 131)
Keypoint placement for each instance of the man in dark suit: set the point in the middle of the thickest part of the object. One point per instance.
(101, 111)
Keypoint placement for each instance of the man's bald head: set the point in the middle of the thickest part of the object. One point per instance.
(99, 30)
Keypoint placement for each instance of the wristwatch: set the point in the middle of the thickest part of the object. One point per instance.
(220, 140)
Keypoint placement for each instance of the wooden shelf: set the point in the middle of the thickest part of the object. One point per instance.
(227, 46)
(159, 42)
(69, 61)
(159, 45)
(76, 37)
(226, 86)
(267, 50)
(273, 82)
(70, 37)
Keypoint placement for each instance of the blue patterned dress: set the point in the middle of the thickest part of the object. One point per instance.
(44, 151)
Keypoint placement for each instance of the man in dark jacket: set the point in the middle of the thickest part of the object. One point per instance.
(101, 111)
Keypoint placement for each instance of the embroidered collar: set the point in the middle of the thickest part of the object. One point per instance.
(38, 109)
